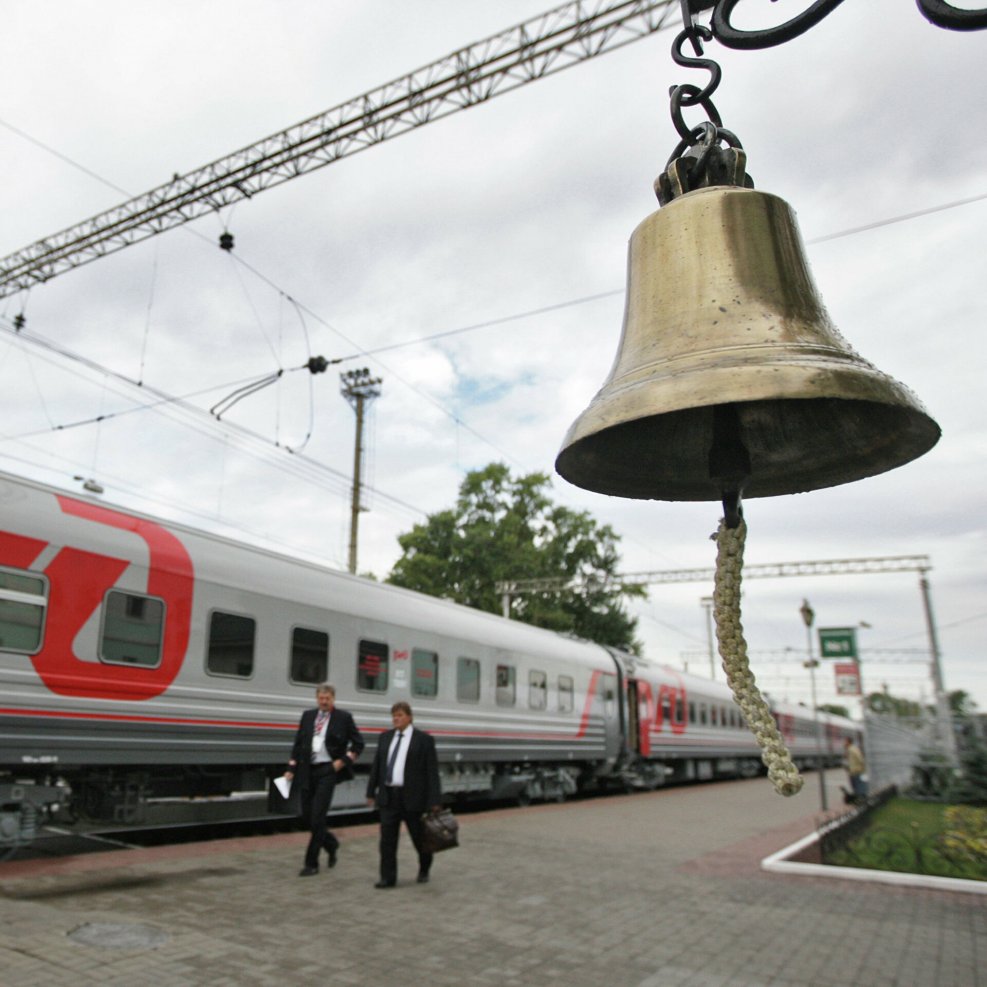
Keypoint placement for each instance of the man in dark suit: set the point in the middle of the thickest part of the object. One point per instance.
(404, 782)
(326, 745)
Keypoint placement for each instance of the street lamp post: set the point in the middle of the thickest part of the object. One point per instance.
(808, 615)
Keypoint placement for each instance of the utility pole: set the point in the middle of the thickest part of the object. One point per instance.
(808, 615)
(358, 387)
(944, 716)
(707, 604)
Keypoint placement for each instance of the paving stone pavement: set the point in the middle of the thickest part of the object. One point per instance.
(643, 890)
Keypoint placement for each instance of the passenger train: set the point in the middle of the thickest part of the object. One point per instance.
(141, 660)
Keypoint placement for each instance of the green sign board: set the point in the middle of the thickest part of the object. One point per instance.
(838, 642)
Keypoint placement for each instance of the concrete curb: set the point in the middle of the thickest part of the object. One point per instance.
(778, 863)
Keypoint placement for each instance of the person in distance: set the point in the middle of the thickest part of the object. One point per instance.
(856, 768)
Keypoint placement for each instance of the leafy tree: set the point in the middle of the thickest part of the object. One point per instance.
(971, 784)
(835, 708)
(961, 703)
(503, 528)
(884, 702)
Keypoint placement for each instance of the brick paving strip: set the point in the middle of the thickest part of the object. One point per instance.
(643, 890)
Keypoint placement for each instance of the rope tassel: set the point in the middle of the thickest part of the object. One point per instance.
(733, 651)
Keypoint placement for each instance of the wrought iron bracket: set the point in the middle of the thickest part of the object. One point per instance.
(707, 153)
(938, 12)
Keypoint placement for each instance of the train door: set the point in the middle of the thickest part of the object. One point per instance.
(633, 716)
(611, 715)
(640, 709)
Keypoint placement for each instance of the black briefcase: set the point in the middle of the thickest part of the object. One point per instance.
(440, 831)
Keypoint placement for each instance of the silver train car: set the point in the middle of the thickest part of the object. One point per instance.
(143, 660)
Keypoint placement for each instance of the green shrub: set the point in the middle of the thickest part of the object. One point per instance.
(970, 786)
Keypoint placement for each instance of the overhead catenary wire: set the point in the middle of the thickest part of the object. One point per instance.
(420, 340)
(190, 415)
(513, 317)
(454, 416)
(392, 373)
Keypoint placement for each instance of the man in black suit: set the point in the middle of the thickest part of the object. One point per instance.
(404, 782)
(326, 745)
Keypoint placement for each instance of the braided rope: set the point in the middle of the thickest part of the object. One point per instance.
(733, 651)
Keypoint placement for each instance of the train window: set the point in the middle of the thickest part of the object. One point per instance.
(506, 687)
(537, 690)
(309, 656)
(566, 694)
(133, 627)
(23, 598)
(692, 712)
(424, 673)
(713, 715)
(468, 680)
(679, 709)
(702, 713)
(371, 666)
(231, 644)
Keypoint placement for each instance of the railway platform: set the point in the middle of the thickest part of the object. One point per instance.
(642, 890)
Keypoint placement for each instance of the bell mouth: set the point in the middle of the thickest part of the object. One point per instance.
(794, 445)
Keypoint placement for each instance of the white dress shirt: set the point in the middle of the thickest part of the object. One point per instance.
(319, 753)
(397, 772)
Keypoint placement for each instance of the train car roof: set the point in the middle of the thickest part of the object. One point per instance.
(223, 561)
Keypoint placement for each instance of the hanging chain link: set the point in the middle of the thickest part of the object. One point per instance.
(707, 154)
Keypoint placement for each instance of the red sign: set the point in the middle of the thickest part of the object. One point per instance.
(847, 678)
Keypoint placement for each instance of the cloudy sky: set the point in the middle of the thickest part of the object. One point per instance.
(505, 222)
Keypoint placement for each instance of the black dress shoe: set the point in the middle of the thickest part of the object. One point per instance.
(308, 871)
(422, 877)
(384, 884)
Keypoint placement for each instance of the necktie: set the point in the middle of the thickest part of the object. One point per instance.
(393, 757)
(320, 721)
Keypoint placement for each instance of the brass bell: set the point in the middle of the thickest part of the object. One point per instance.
(730, 373)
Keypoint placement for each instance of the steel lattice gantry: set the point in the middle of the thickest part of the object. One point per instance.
(556, 40)
(764, 570)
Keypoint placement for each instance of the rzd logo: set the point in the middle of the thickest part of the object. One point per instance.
(78, 582)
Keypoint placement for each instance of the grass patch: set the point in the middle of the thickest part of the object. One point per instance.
(919, 838)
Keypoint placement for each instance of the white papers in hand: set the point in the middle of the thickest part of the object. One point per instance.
(283, 785)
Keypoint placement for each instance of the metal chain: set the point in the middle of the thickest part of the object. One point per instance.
(733, 651)
(699, 160)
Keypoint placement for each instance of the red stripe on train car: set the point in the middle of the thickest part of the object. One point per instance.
(195, 721)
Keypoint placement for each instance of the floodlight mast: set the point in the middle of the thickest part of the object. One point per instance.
(561, 37)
